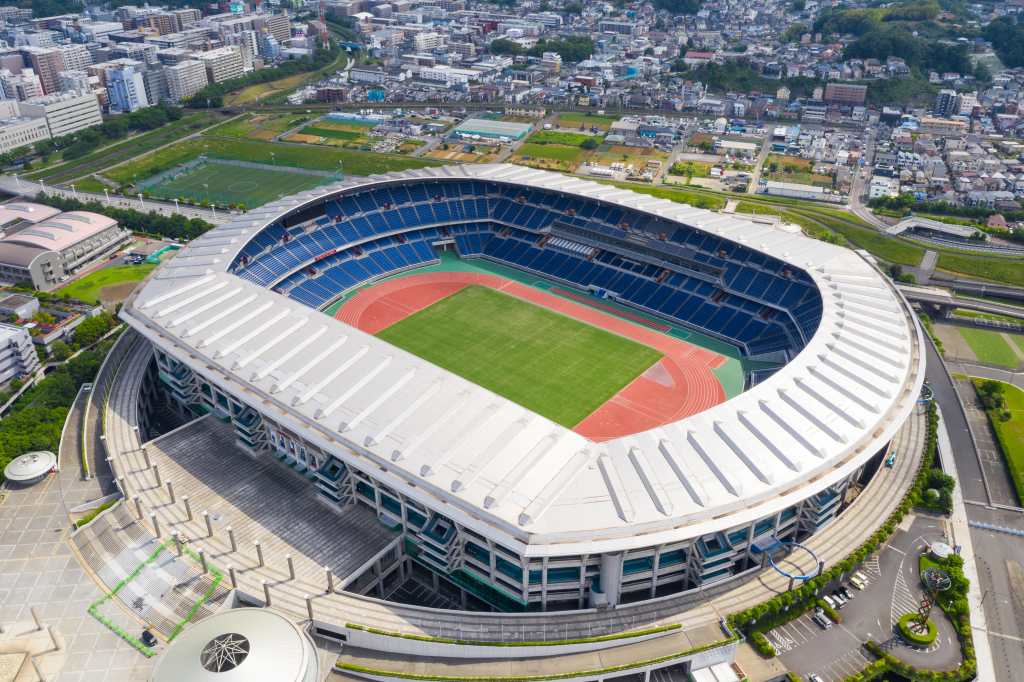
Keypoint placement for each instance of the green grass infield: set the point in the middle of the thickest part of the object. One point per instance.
(558, 367)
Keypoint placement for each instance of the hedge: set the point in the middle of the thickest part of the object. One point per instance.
(472, 642)
(535, 678)
(829, 611)
(921, 639)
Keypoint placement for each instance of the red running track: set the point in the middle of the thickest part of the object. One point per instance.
(678, 385)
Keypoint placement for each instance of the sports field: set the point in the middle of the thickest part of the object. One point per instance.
(551, 364)
(223, 184)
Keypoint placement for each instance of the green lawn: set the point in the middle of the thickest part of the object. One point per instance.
(575, 119)
(226, 184)
(295, 155)
(90, 287)
(979, 315)
(989, 347)
(1010, 435)
(332, 133)
(559, 152)
(559, 137)
(551, 364)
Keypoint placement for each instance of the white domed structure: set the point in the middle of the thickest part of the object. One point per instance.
(30, 467)
(240, 645)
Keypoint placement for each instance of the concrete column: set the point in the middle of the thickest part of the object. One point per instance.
(138, 506)
(188, 507)
(231, 537)
(202, 560)
(170, 491)
(266, 592)
(110, 463)
(234, 579)
(291, 566)
(177, 543)
(259, 552)
(208, 523)
(156, 524)
(611, 576)
(330, 579)
(120, 483)
(156, 473)
(309, 606)
(145, 456)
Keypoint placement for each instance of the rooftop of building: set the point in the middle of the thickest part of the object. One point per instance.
(15, 212)
(60, 231)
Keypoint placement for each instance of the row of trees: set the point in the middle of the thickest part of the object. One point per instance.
(83, 142)
(113, 128)
(175, 226)
(212, 96)
(570, 48)
(36, 419)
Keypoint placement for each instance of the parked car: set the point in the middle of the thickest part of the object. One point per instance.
(830, 601)
(858, 583)
(814, 678)
(839, 599)
(823, 622)
(846, 593)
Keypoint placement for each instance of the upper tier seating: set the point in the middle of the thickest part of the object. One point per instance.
(670, 270)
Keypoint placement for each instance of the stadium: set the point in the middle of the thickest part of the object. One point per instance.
(558, 394)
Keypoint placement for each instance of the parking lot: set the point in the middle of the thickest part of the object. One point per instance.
(892, 590)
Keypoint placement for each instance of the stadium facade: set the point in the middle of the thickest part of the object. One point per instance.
(513, 509)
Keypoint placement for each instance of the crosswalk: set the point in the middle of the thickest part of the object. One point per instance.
(903, 599)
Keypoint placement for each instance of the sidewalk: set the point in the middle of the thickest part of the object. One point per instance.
(962, 537)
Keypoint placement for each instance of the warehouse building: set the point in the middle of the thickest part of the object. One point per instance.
(474, 128)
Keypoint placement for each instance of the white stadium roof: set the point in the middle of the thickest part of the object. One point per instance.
(489, 462)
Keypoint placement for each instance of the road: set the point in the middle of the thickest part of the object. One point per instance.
(29, 189)
(998, 556)
(857, 206)
(762, 155)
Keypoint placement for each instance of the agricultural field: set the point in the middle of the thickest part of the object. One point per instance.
(297, 156)
(563, 138)
(554, 365)
(227, 185)
(794, 169)
(628, 156)
(457, 153)
(258, 126)
(111, 284)
(557, 157)
(577, 119)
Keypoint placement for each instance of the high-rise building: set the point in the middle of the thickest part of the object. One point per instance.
(185, 79)
(154, 78)
(946, 103)
(76, 81)
(279, 26)
(21, 131)
(223, 63)
(64, 113)
(845, 93)
(47, 63)
(127, 88)
(76, 57)
(20, 86)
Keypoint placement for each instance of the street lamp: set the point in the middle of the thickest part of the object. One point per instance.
(17, 180)
(176, 207)
(107, 195)
(74, 191)
(142, 203)
(213, 207)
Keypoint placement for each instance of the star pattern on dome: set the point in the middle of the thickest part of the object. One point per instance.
(225, 652)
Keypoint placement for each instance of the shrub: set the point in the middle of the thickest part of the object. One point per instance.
(762, 645)
(908, 622)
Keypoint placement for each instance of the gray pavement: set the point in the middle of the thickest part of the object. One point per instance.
(997, 555)
(1001, 490)
(37, 568)
(893, 589)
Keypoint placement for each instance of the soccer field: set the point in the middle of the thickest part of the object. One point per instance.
(551, 364)
(227, 184)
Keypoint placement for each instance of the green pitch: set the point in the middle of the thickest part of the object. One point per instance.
(551, 364)
(226, 184)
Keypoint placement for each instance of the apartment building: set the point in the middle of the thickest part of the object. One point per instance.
(186, 79)
(223, 63)
(18, 357)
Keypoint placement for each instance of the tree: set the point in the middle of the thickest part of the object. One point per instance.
(91, 329)
(60, 351)
(589, 144)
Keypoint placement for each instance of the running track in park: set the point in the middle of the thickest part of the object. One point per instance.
(678, 385)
